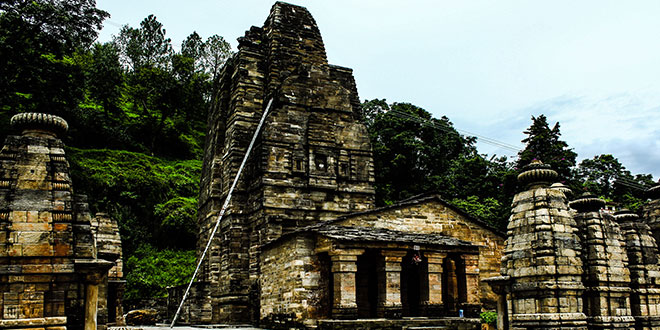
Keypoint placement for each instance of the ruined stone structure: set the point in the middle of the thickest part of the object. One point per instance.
(50, 268)
(578, 267)
(651, 213)
(302, 239)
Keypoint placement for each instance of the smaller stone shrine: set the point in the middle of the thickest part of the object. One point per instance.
(542, 257)
(642, 253)
(579, 267)
(651, 212)
(53, 264)
(606, 275)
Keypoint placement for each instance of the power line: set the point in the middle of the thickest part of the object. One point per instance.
(433, 124)
(445, 128)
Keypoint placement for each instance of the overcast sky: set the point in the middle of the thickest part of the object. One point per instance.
(592, 66)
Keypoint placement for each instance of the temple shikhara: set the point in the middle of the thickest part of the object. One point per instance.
(302, 244)
(60, 268)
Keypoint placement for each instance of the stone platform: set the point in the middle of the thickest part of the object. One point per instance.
(458, 323)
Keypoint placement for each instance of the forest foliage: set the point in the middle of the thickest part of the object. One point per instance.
(137, 111)
(137, 115)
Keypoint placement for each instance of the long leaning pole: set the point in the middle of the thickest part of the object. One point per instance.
(224, 209)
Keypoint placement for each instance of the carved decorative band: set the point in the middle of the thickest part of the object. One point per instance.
(39, 121)
(58, 158)
(587, 203)
(62, 216)
(4, 215)
(61, 186)
(5, 183)
(625, 215)
(8, 155)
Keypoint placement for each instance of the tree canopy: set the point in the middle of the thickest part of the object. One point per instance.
(137, 116)
(543, 143)
(415, 153)
(607, 178)
(38, 44)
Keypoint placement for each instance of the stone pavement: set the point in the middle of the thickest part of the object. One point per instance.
(179, 327)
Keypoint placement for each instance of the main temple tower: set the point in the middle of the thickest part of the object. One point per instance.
(311, 163)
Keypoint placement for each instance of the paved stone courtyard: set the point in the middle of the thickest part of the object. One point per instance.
(197, 327)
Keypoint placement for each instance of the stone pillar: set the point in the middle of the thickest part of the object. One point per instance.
(452, 292)
(389, 296)
(93, 273)
(91, 304)
(472, 305)
(542, 256)
(344, 267)
(434, 304)
(501, 286)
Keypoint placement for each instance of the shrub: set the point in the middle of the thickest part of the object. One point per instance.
(489, 317)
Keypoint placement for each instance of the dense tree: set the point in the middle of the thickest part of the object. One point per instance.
(606, 177)
(412, 150)
(193, 48)
(66, 24)
(145, 46)
(216, 52)
(38, 40)
(104, 77)
(543, 143)
(415, 153)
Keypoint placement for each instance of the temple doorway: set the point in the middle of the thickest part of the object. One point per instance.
(414, 283)
(366, 283)
(454, 285)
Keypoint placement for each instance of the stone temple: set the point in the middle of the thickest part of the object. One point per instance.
(575, 265)
(302, 240)
(60, 268)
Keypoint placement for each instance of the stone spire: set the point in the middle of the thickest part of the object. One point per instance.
(312, 162)
(542, 256)
(606, 277)
(49, 273)
(644, 269)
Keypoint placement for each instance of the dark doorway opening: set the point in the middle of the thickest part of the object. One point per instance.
(366, 283)
(326, 284)
(454, 285)
(414, 283)
(112, 302)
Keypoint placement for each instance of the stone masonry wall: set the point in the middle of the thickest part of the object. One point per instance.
(435, 217)
(290, 277)
(643, 262)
